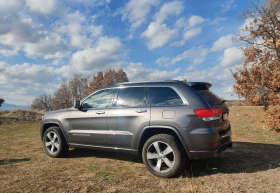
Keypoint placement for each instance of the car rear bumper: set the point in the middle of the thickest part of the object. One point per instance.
(222, 141)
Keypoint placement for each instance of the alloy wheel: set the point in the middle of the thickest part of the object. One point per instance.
(160, 156)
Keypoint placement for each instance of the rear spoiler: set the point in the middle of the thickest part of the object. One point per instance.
(200, 85)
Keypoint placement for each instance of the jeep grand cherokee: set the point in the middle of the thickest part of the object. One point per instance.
(165, 122)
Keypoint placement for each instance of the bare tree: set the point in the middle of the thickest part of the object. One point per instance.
(42, 102)
(69, 91)
(62, 97)
(79, 87)
(97, 82)
(108, 78)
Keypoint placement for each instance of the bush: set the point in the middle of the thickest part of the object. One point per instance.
(4, 112)
(273, 119)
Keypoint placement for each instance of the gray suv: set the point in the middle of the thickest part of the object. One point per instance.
(166, 122)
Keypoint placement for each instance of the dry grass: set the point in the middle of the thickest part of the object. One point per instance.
(253, 165)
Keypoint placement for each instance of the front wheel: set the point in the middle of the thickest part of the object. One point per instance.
(162, 156)
(54, 142)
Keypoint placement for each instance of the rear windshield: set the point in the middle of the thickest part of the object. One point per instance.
(210, 97)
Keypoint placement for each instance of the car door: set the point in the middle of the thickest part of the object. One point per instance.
(167, 107)
(129, 114)
(88, 124)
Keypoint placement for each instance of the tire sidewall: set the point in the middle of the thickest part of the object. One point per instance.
(170, 140)
(60, 139)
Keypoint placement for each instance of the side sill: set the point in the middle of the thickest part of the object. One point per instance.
(103, 148)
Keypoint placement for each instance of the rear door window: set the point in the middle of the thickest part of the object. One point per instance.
(164, 96)
(131, 97)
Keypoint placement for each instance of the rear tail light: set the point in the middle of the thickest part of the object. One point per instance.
(209, 114)
(214, 145)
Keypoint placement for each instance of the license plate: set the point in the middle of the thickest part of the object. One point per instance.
(225, 116)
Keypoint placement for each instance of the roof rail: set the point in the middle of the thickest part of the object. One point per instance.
(179, 80)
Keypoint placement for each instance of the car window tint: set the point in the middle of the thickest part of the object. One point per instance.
(210, 97)
(131, 97)
(101, 99)
(162, 96)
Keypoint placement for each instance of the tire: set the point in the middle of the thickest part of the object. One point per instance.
(162, 156)
(54, 142)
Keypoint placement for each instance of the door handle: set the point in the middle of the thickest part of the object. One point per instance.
(141, 111)
(100, 112)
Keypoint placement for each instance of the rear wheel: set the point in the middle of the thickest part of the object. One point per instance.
(162, 156)
(54, 142)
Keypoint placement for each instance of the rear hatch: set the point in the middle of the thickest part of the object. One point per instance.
(214, 101)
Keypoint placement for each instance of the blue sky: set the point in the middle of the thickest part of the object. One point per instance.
(44, 42)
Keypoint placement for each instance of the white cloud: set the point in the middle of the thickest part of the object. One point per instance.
(164, 61)
(181, 23)
(74, 17)
(232, 56)
(189, 23)
(8, 52)
(20, 30)
(10, 7)
(77, 39)
(227, 5)
(158, 35)
(22, 82)
(75, 32)
(218, 20)
(45, 7)
(228, 90)
(103, 54)
(138, 72)
(169, 9)
(78, 31)
(50, 47)
(89, 3)
(192, 28)
(222, 43)
(189, 34)
(178, 43)
(247, 23)
(136, 11)
(27, 73)
(195, 20)
(195, 54)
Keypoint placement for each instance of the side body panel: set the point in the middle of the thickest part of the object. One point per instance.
(124, 123)
(88, 127)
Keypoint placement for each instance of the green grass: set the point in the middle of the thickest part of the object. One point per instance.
(252, 165)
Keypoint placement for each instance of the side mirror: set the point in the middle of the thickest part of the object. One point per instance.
(77, 104)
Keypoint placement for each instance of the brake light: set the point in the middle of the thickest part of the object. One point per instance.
(209, 114)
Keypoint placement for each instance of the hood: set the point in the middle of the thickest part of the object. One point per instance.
(57, 113)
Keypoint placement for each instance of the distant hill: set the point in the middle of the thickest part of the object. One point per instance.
(10, 107)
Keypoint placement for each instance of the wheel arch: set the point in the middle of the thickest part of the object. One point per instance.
(52, 123)
(150, 131)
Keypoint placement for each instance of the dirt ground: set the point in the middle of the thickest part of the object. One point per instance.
(252, 165)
